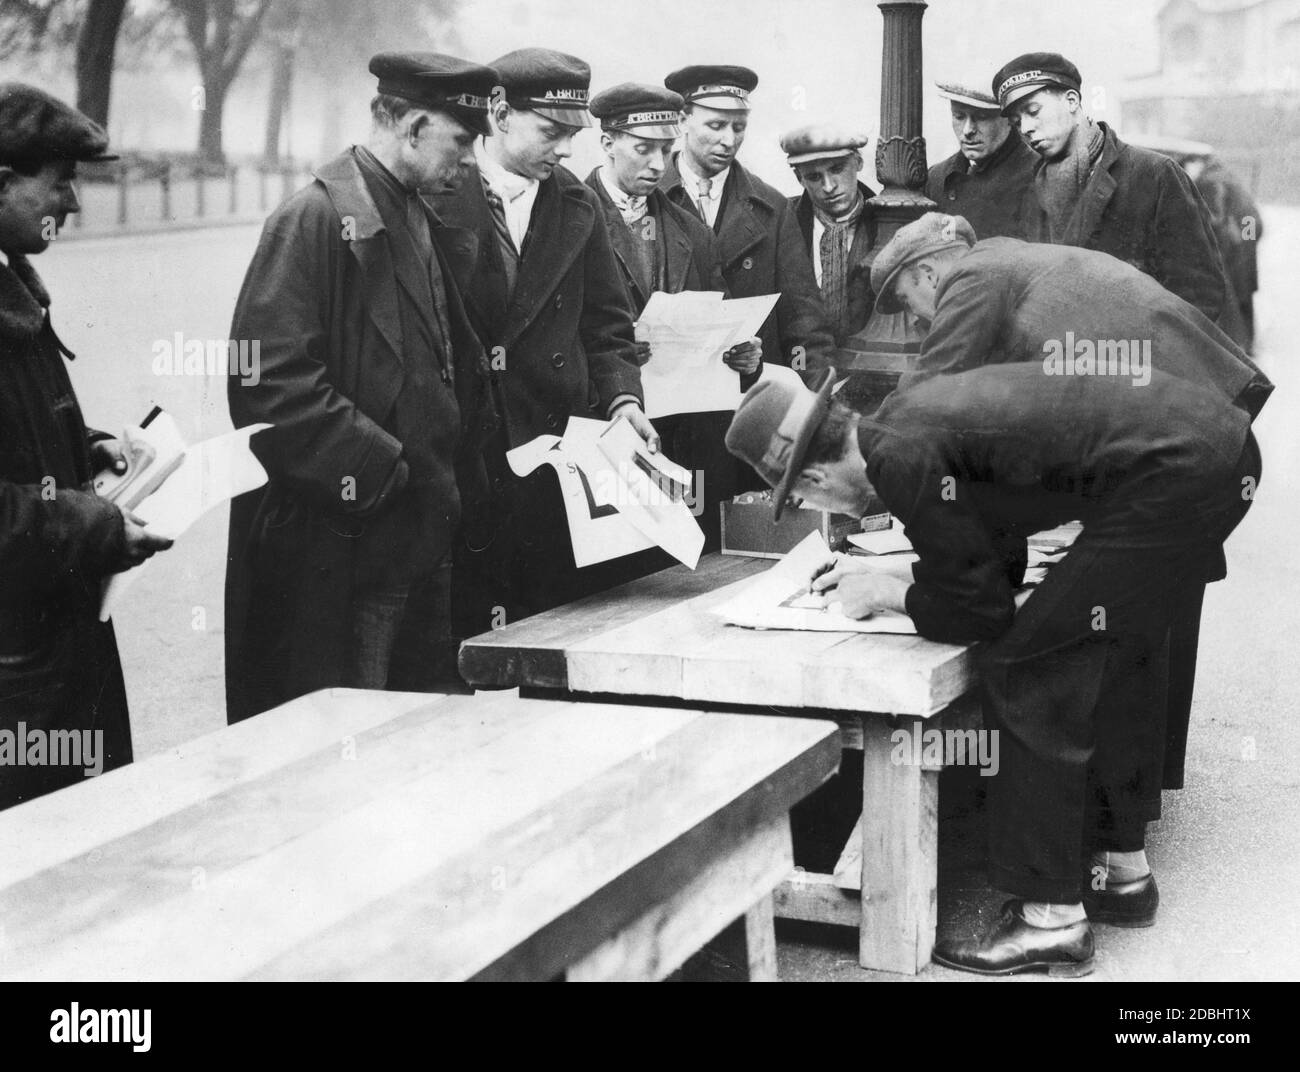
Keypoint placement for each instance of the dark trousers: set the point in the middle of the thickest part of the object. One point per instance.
(1076, 690)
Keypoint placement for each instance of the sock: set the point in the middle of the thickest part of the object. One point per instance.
(1123, 866)
(1042, 914)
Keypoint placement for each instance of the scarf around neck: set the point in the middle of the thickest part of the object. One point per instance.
(1060, 183)
(834, 254)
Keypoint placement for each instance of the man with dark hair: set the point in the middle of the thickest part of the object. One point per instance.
(989, 179)
(662, 247)
(971, 464)
(59, 668)
(545, 294)
(1093, 190)
(835, 217)
(759, 245)
(378, 392)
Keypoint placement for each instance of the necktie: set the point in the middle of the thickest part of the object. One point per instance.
(509, 255)
(705, 188)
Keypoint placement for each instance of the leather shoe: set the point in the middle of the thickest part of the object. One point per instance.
(1013, 946)
(1123, 904)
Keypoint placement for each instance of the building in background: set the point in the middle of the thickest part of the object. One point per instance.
(1228, 69)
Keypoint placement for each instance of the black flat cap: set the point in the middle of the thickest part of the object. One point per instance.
(1031, 72)
(725, 89)
(647, 111)
(552, 84)
(36, 128)
(440, 83)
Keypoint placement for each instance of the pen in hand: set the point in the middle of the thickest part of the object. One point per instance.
(821, 570)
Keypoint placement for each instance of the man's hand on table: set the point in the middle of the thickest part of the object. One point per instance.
(860, 590)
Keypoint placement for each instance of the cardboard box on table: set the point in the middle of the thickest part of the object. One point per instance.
(748, 527)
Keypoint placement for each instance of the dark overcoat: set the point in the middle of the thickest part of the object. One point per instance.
(320, 298)
(1141, 207)
(59, 667)
(996, 199)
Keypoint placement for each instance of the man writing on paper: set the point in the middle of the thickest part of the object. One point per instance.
(971, 464)
(660, 246)
(1067, 310)
(378, 392)
(59, 667)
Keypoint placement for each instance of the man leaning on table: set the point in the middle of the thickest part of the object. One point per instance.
(971, 464)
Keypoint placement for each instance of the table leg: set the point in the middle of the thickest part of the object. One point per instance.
(760, 941)
(900, 810)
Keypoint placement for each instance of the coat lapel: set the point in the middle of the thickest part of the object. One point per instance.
(677, 244)
(740, 228)
(1097, 193)
(617, 234)
(561, 224)
(346, 187)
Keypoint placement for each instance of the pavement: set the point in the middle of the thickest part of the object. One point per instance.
(1226, 852)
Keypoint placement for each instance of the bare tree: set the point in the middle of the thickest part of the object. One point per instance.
(221, 32)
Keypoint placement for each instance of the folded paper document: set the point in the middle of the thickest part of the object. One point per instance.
(169, 486)
(618, 499)
(688, 333)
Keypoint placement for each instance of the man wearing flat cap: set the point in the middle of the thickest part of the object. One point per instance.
(379, 396)
(989, 180)
(835, 219)
(1006, 301)
(546, 296)
(759, 245)
(1093, 190)
(660, 246)
(59, 667)
(972, 464)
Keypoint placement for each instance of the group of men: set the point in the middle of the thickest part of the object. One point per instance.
(449, 291)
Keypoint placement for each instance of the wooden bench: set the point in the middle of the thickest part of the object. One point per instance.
(365, 835)
(654, 641)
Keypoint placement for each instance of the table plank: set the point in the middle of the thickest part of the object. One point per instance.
(385, 865)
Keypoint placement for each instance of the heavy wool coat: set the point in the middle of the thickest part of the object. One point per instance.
(862, 299)
(320, 298)
(59, 666)
(1141, 207)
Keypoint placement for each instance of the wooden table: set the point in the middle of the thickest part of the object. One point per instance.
(363, 835)
(654, 640)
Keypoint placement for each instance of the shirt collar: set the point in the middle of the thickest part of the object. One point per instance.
(506, 184)
(691, 179)
(621, 199)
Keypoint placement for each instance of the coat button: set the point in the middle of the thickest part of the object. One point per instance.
(557, 360)
(747, 263)
(952, 196)
(552, 421)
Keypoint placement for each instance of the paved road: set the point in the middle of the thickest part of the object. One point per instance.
(1228, 849)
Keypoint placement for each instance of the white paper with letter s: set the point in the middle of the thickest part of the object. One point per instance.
(779, 599)
(688, 333)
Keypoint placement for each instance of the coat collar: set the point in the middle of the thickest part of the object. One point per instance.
(676, 242)
(743, 219)
(803, 212)
(347, 191)
(1100, 188)
(23, 300)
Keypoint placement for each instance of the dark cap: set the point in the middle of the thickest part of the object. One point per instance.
(820, 141)
(552, 84)
(725, 89)
(932, 233)
(440, 83)
(36, 128)
(634, 107)
(1031, 72)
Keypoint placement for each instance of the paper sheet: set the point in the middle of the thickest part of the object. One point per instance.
(883, 542)
(210, 473)
(778, 599)
(610, 514)
(688, 334)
